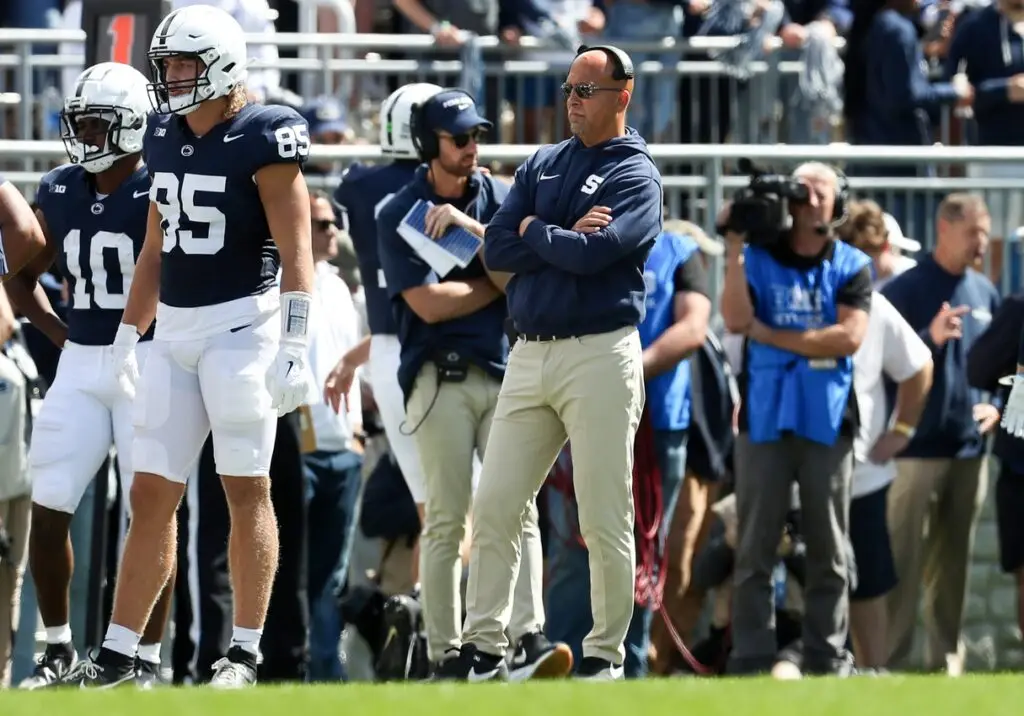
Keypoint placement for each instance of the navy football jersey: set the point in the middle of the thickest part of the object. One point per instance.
(98, 241)
(362, 193)
(217, 245)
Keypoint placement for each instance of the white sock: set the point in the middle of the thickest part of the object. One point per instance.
(59, 634)
(122, 640)
(248, 639)
(150, 653)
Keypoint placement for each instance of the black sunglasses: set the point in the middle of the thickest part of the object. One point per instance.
(323, 224)
(585, 90)
(462, 140)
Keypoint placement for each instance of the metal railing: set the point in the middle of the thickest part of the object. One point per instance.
(698, 179)
(711, 103)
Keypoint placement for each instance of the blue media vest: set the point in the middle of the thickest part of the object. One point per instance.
(668, 395)
(786, 391)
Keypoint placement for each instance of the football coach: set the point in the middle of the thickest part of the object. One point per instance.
(574, 231)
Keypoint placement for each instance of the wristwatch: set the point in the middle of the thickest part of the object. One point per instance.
(904, 429)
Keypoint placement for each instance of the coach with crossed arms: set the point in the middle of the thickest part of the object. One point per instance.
(575, 231)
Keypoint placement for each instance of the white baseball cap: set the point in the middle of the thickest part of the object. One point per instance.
(896, 237)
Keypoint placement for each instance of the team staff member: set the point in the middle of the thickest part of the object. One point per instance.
(21, 238)
(802, 302)
(575, 230)
(454, 352)
(363, 192)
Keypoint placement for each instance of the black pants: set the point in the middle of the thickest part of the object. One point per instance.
(203, 599)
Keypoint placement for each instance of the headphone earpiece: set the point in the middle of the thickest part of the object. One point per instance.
(840, 210)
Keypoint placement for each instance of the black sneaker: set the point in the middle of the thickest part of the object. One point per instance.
(53, 665)
(148, 675)
(104, 671)
(595, 669)
(472, 665)
(237, 670)
(537, 658)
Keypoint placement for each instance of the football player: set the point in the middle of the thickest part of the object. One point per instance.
(21, 239)
(229, 206)
(363, 191)
(92, 212)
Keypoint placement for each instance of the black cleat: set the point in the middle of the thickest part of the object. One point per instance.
(472, 665)
(537, 658)
(148, 675)
(53, 665)
(237, 670)
(595, 669)
(106, 670)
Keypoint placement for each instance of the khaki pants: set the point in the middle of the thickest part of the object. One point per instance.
(591, 391)
(932, 512)
(456, 420)
(15, 515)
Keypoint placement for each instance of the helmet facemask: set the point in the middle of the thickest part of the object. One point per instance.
(92, 134)
(181, 96)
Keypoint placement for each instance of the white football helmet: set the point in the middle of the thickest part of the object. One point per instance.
(204, 33)
(395, 118)
(110, 93)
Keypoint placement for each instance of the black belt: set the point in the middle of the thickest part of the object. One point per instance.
(541, 338)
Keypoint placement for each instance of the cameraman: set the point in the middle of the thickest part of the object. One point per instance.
(801, 300)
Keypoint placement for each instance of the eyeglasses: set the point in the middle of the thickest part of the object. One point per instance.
(585, 90)
(461, 141)
(323, 224)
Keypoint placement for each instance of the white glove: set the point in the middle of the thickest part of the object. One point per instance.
(291, 383)
(124, 366)
(1013, 413)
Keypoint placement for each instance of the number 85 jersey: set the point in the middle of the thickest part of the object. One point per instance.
(98, 238)
(219, 263)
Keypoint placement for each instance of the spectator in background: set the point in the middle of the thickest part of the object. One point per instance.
(891, 349)
(993, 356)
(879, 236)
(942, 475)
(650, 21)
(255, 16)
(15, 487)
(988, 46)
(332, 451)
(327, 125)
(889, 99)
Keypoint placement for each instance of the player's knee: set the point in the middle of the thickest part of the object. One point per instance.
(50, 527)
(154, 499)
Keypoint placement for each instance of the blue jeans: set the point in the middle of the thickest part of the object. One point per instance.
(655, 96)
(567, 601)
(333, 482)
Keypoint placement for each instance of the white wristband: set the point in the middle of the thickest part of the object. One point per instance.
(126, 335)
(295, 307)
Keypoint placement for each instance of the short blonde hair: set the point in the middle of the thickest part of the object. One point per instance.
(957, 205)
(865, 227)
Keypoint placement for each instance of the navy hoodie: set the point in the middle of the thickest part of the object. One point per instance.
(990, 53)
(947, 428)
(899, 94)
(479, 337)
(568, 283)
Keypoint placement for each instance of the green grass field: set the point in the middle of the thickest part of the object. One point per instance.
(904, 696)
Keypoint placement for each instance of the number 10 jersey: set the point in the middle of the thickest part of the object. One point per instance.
(217, 246)
(98, 239)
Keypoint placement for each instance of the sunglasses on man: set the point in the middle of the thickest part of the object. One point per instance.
(462, 140)
(585, 90)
